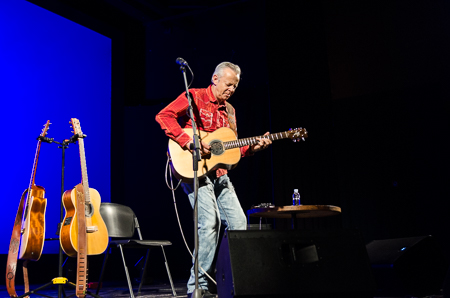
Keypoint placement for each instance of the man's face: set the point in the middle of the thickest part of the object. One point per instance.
(225, 86)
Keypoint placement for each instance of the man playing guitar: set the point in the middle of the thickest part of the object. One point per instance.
(217, 199)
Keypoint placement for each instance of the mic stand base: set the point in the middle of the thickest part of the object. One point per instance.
(198, 293)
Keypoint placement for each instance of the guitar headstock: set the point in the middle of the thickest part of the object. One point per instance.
(76, 127)
(45, 129)
(297, 134)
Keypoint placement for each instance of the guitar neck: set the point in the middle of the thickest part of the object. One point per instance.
(84, 174)
(253, 140)
(33, 174)
(36, 158)
(83, 200)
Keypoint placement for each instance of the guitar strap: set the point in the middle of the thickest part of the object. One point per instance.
(11, 264)
(231, 118)
(82, 244)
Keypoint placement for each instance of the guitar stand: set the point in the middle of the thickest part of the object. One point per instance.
(60, 280)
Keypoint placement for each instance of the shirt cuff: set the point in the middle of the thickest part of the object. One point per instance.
(247, 151)
(183, 139)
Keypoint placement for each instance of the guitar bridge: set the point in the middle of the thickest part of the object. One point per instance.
(91, 229)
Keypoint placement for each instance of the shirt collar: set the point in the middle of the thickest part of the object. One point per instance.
(212, 98)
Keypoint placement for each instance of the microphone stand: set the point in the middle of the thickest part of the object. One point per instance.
(196, 157)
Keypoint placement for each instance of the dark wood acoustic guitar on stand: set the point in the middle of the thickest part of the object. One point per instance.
(225, 152)
(83, 231)
(27, 240)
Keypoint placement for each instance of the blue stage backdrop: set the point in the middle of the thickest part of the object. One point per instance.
(50, 69)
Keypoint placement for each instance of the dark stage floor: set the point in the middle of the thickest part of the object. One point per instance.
(109, 290)
(120, 290)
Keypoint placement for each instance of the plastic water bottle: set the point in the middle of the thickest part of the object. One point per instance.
(296, 198)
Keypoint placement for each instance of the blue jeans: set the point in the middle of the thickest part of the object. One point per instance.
(217, 203)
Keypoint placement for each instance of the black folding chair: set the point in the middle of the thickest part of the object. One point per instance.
(122, 223)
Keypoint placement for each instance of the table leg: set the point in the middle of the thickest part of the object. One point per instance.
(294, 221)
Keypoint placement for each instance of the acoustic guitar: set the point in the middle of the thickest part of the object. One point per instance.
(97, 233)
(27, 239)
(33, 220)
(225, 152)
(83, 231)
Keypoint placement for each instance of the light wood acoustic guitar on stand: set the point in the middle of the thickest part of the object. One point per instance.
(83, 231)
(225, 152)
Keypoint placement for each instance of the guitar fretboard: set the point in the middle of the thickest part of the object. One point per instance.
(84, 174)
(33, 173)
(253, 140)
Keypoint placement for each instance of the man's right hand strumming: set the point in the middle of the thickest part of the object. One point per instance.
(204, 148)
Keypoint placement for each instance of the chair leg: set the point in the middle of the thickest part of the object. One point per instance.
(144, 271)
(168, 273)
(105, 259)
(126, 272)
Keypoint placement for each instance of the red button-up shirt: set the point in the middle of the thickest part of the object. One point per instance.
(212, 115)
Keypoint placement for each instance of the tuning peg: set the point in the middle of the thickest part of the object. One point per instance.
(303, 139)
(295, 140)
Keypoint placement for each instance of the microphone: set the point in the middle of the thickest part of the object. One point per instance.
(181, 61)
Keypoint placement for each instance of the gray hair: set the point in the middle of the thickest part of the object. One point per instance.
(222, 66)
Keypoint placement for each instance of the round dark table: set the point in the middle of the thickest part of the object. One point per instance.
(293, 212)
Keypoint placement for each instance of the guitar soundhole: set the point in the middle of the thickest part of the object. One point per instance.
(89, 210)
(216, 147)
